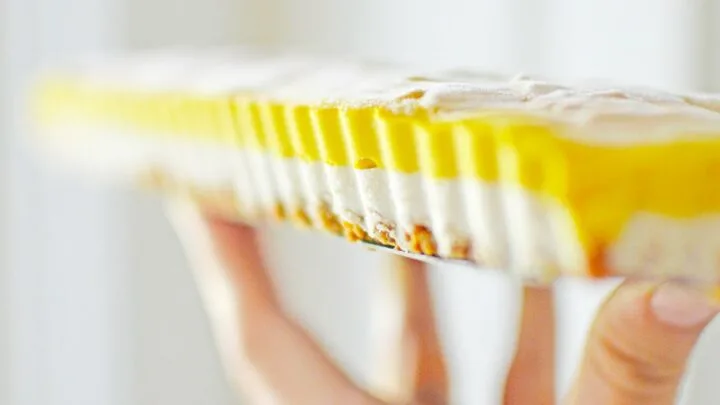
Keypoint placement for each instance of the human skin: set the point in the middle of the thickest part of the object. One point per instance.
(636, 350)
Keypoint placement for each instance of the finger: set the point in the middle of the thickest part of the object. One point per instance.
(640, 343)
(238, 248)
(411, 361)
(531, 379)
(277, 360)
(295, 368)
(211, 244)
(430, 371)
(290, 361)
(216, 291)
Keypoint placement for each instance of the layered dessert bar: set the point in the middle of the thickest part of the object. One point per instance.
(537, 177)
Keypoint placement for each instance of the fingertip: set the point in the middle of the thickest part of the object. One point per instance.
(225, 224)
(683, 306)
(403, 263)
(667, 307)
(232, 237)
(530, 378)
(640, 343)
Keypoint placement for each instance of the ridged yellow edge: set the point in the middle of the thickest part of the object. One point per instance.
(601, 185)
(360, 134)
(301, 133)
(328, 135)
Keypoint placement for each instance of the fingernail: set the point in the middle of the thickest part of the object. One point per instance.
(683, 306)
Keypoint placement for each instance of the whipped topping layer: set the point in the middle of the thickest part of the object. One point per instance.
(448, 93)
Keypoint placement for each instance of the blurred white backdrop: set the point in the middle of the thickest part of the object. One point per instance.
(98, 305)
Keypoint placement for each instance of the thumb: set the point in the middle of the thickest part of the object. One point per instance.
(640, 343)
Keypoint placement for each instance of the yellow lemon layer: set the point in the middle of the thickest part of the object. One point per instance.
(601, 185)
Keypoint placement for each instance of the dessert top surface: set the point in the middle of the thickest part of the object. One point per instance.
(447, 93)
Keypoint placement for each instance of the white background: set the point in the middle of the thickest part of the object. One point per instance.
(97, 304)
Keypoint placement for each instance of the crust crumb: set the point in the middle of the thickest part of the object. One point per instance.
(278, 212)
(155, 179)
(329, 221)
(354, 232)
(384, 235)
(460, 250)
(218, 202)
(301, 218)
(420, 240)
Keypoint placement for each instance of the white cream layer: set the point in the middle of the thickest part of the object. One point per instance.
(507, 226)
(661, 246)
(593, 110)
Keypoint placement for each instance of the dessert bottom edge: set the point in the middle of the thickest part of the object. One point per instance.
(539, 244)
(419, 242)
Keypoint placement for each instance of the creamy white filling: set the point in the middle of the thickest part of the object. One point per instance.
(286, 174)
(409, 201)
(654, 245)
(444, 199)
(374, 192)
(261, 175)
(248, 200)
(129, 156)
(507, 226)
(314, 188)
(346, 199)
(490, 217)
(483, 203)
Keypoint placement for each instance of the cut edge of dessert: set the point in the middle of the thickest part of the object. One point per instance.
(539, 178)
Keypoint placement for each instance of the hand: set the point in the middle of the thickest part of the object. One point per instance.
(636, 351)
